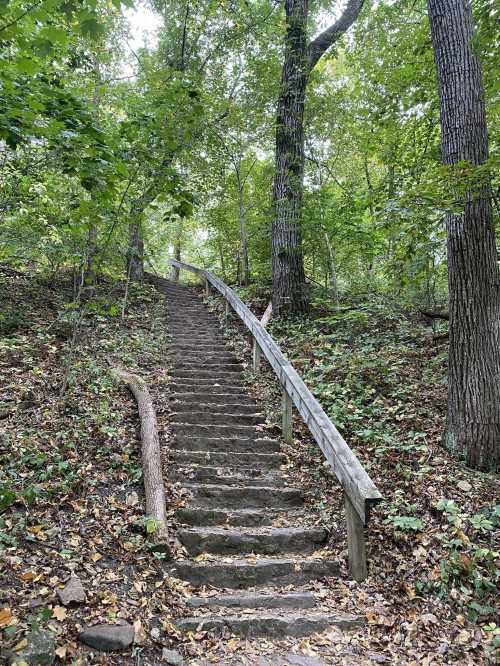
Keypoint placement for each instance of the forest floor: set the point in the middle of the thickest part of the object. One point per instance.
(71, 498)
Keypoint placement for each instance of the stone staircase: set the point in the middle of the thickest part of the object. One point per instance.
(244, 527)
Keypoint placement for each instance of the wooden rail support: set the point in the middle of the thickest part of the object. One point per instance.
(207, 288)
(355, 542)
(287, 427)
(227, 311)
(256, 354)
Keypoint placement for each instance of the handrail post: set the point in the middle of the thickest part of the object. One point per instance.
(256, 354)
(355, 542)
(207, 288)
(286, 408)
(227, 310)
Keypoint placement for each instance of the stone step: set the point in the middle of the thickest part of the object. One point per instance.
(248, 497)
(208, 368)
(200, 338)
(254, 600)
(264, 541)
(209, 417)
(198, 314)
(208, 386)
(225, 375)
(214, 431)
(279, 625)
(245, 476)
(229, 445)
(203, 517)
(203, 360)
(264, 461)
(203, 357)
(204, 347)
(242, 573)
(179, 404)
(192, 327)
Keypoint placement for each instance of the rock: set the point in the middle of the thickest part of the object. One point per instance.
(72, 592)
(40, 650)
(155, 633)
(108, 637)
(172, 657)
(465, 486)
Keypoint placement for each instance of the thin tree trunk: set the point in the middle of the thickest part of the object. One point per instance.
(177, 250)
(245, 268)
(289, 283)
(221, 258)
(135, 252)
(332, 279)
(90, 268)
(473, 427)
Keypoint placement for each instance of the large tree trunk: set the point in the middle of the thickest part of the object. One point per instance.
(473, 428)
(290, 293)
(289, 288)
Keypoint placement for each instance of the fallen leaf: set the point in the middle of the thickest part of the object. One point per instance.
(5, 617)
(21, 645)
(62, 651)
(59, 613)
(139, 633)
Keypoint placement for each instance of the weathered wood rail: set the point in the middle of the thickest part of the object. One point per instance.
(360, 492)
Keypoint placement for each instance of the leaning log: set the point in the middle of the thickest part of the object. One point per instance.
(151, 457)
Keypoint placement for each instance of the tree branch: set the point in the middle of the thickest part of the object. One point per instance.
(329, 36)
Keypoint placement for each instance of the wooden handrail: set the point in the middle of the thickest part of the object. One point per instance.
(360, 491)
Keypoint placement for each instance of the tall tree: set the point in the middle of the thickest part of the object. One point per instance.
(289, 288)
(473, 428)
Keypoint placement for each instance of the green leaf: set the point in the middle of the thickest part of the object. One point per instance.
(151, 526)
(27, 66)
(91, 28)
(54, 35)
(7, 497)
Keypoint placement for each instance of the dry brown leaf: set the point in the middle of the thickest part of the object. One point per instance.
(139, 633)
(59, 613)
(5, 617)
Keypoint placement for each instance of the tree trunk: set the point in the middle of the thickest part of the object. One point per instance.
(289, 288)
(221, 258)
(473, 427)
(290, 293)
(177, 251)
(331, 270)
(245, 267)
(135, 253)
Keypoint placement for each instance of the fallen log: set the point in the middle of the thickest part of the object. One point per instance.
(435, 315)
(151, 458)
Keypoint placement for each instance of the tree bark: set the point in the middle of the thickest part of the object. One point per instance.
(151, 457)
(290, 293)
(245, 267)
(473, 424)
(289, 283)
(332, 278)
(135, 252)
